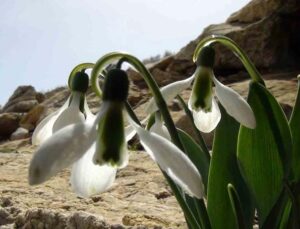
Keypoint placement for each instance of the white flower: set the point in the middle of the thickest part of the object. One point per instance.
(74, 143)
(54, 154)
(102, 140)
(207, 120)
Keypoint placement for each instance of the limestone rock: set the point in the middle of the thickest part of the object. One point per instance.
(54, 205)
(31, 119)
(20, 133)
(23, 99)
(9, 122)
(267, 30)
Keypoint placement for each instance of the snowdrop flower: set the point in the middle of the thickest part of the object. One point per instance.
(107, 135)
(87, 179)
(74, 110)
(202, 103)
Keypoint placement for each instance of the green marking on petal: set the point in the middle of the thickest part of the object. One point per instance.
(111, 136)
(201, 97)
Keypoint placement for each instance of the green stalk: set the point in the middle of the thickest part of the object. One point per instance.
(250, 67)
(138, 65)
(79, 68)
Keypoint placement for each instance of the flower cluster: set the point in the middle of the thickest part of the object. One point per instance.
(96, 146)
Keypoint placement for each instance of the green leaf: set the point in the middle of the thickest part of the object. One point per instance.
(195, 153)
(236, 206)
(295, 129)
(264, 153)
(224, 170)
(190, 216)
(199, 210)
(277, 216)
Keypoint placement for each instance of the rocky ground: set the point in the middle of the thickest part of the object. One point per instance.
(140, 197)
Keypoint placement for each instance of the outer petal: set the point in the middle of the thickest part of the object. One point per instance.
(130, 131)
(70, 115)
(89, 115)
(44, 128)
(88, 179)
(169, 92)
(62, 149)
(160, 129)
(172, 160)
(235, 105)
(207, 121)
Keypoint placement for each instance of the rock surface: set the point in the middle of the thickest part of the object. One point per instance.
(267, 30)
(20, 133)
(23, 99)
(135, 198)
(9, 122)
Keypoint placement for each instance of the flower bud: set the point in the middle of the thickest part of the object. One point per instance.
(80, 82)
(115, 86)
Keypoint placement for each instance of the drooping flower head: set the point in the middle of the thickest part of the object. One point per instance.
(205, 109)
(111, 144)
(103, 140)
(66, 137)
(74, 110)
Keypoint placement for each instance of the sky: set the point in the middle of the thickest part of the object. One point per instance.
(42, 40)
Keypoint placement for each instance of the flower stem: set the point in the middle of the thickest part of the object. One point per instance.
(79, 68)
(138, 65)
(251, 69)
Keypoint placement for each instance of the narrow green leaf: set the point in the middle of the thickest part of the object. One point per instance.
(224, 170)
(295, 129)
(195, 153)
(188, 213)
(264, 153)
(236, 206)
(275, 218)
(198, 207)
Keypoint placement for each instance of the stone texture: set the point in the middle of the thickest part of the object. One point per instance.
(23, 99)
(19, 133)
(31, 119)
(9, 122)
(132, 201)
(267, 30)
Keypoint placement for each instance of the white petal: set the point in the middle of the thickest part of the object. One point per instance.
(88, 179)
(70, 115)
(159, 128)
(169, 92)
(173, 161)
(129, 133)
(89, 115)
(60, 150)
(207, 121)
(235, 105)
(44, 129)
